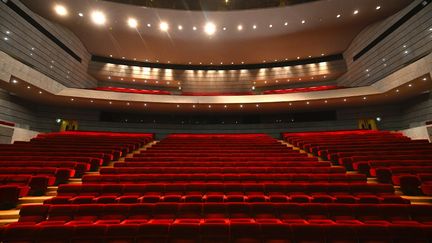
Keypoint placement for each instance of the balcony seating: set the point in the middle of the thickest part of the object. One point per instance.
(135, 91)
(299, 90)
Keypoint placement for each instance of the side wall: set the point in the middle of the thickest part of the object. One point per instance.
(409, 42)
(27, 44)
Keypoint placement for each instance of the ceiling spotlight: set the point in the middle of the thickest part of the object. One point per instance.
(225, 106)
(257, 105)
(98, 17)
(28, 87)
(149, 25)
(241, 106)
(240, 27)
(355, 12)
(133, 23)
(298, 58)
(210, 28)
(224, 28)
(325, 101)
(271, 26)
(364, 98)
(40, 92)
(91, 101)
(193, 106)
(254, 26)
(345, 100)
(338, 16)
(378, 7)
(286, 23)
(110, 102)
(81, 14)
(397, 91)
(253, 87)
(72, 99)
(303, 21)
(163, 26)
(424, 79)
(194, 28)
(60, 10)
(409, 85)
(180, 27)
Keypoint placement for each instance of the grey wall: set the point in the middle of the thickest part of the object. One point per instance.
(16, 110)
(417, 111)
(389, 55)
(33, 48)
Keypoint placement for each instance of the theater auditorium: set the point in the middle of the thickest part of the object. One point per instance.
(215, 121)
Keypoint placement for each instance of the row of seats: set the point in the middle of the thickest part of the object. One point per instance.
(412, 184)
(305, 89)
(220, 231)
(56, 175)
(222, 178)
(163, 158)
(170, 212)
(222, 164)
(136, 91)
(194, 170)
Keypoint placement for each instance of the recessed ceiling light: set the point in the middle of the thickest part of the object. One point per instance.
(355, 12)
(14, 81)
(111, 55)
(409, 85)
(257, 105)
(254, 26)
(128, 103)
(338, 16)
(133, 23)
(240, 27)
(123, 57)
(60, 10)
(40, 92)
(193, 106)
(424, 79)
(91, 101)
(178, 106)
(163, 26)
(224, 28)
(271, 26)
(325, 101)
(81, 14)
(241, 106)
(194, 28)
(345, 100)
(378, 7)
(253, 87)
(290, 104)
(110, 102)
(307, 103)
(180, 27)
(28, 87)
(364, 98)
(72, 99)
(210, 28)
(149, 25)
(145, 104)
(209, 106)
(303, 21)
(225, 106)
(298, 58)
(397, 91)
(286, 23)
(406, 52)
(5, 38)
(98, 17)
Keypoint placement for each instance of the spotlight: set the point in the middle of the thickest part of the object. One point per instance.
(133, 23)
(164, 26)
(356, 12)
(60, 10)
(378, 119)
(210, 28)
(58, 120)
(98, 17)
(240, 27)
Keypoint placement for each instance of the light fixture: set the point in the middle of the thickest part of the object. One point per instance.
(290, 104)
(128, 103)
(338, 16)
(397, 91)
(72, 99)
(110, 102)
(98, 17)
(178, 106)
(286, 23)
(409, 85)
(210, 28)
(307, 103)
(163, 26)
(7, 32)
(224, 28)
(81, 14)
(378, 119)
(14, 81)
(424, 79)
(28, 87)
(254, 26)
(133, 23)
(40, 92)
(253, 87)
(240, 27)
(145, 104)
(149, 25)
(180, 27)
(5, 38)
(91, 101)
(209, 106)
(271, 26)
(193, 106)
(241, 106)
(406, 52)
(303, 21)
(355, 12)
(364, 98)
(298, 58)
(58, 120)
(60, 10)
(225, 106)
(257, 105)
(325, 101)
(378, 7)
(345, 100)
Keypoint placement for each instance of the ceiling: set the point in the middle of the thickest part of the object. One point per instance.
(211, 5)
(287, 39)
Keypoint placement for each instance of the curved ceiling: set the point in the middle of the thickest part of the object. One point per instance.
(284, 33)
(211, 5)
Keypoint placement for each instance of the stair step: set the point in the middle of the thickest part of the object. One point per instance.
(8, 221)
(40, 199)
(9, 214)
